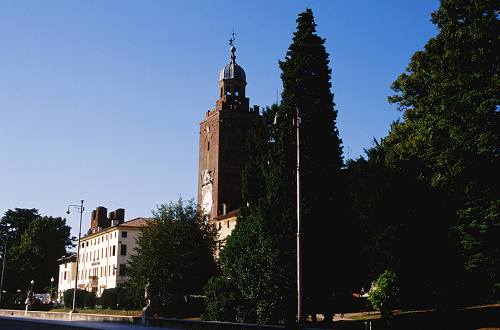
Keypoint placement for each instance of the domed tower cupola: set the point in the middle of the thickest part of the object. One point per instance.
(223, 134)
(232, 78)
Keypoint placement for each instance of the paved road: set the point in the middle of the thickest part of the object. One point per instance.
(18, 323)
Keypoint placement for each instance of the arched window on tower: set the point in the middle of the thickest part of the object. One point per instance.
(237, 91)
(228, 90)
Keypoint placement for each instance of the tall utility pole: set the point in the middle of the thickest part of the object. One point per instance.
(299, 251)
(3, 267)
(80, 208)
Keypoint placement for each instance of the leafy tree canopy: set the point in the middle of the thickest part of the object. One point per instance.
(175, 252)
(434, 175)
(450, 99)
(34, 243)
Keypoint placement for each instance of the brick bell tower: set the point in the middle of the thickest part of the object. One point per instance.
(223, 133)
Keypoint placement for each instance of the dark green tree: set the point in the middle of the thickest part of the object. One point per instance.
(450, 100)
(307, 86)
(399, 225)
(34, 243)
(174, 252)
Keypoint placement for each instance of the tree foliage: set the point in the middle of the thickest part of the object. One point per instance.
(426, 198)
(384, 292)
(34, 243)
(450, 98)
(174, 253)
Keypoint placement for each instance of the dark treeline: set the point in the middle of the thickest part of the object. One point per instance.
(422, 204)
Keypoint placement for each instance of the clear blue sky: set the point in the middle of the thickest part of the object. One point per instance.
(101, 100)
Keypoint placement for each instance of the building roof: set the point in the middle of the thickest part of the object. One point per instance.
(232, 214)
(71, 257)
(137, 222)
(232, 70)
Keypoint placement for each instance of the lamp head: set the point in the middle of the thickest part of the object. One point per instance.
(67, 212)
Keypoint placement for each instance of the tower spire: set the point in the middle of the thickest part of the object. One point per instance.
(232, 49)
(232, 39)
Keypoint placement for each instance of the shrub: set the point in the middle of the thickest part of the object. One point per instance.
(68, 298)
(109, 298)
(221, 297)
(384, 292)
(128, 298)
(89, 300)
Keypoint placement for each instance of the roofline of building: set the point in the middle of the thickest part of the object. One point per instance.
(71, 257)
(115, 227)
(232, 214)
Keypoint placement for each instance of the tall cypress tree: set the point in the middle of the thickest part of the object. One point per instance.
(307, 89)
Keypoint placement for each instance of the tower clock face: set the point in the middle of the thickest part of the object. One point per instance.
(206, 191)
(206, 198)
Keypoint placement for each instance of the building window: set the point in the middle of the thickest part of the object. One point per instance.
(124, 234)
(65, 275)
(208, 145)
(123, 270)
(114, 250)
(87, 243)
(114, 270)
(123, 250)
(83, 244)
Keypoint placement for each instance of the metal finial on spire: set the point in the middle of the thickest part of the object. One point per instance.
(232, 49)
(232, 39)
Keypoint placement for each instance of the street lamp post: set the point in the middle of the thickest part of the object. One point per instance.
(51, 287)
(3, 267)
(29, 298)
(80, 208)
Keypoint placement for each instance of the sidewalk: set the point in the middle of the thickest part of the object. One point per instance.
(84, 324)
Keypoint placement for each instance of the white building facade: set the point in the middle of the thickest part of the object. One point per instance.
(104, 255)
(67, 272)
